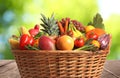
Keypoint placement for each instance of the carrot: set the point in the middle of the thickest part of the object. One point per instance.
(61, 28)
(66, 25)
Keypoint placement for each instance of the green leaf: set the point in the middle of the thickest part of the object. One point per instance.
(52, 17)
(38, 35)
(97, 21)
(29, 47)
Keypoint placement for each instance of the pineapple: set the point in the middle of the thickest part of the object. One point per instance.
(49, 25)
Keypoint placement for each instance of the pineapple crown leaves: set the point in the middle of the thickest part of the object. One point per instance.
(97, 21)
(49, 25)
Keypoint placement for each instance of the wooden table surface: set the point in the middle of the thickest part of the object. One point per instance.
(8, 69)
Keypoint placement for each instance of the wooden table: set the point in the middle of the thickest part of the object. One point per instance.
(8, 69)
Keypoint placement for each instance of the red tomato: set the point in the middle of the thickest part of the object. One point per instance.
(79, 42)
(92, 35)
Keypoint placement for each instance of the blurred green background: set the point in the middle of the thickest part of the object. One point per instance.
(14, 14)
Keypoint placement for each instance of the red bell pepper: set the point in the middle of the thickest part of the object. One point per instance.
(25, 40)
(34, 31)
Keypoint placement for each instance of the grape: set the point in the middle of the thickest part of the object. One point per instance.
(78, 25)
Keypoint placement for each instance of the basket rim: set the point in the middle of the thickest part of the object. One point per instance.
(61, 51)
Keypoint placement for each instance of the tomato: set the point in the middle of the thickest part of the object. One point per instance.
(25, 40)
(89, 28)
(96, 43)
(92, 35)
(79, 42)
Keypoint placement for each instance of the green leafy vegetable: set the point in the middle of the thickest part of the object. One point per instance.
(97, 21)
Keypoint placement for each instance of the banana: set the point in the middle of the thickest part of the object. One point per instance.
(14, 43)
(76, 33)
(24, 30)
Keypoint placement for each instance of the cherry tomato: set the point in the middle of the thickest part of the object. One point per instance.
(92, 35)
(79, 42)
(96, 43)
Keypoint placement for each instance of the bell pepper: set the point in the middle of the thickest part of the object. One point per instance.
(34, 31)
(25, 40)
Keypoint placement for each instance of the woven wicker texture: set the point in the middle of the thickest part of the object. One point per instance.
(60, 64)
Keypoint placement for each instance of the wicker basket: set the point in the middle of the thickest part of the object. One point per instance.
(60, 64)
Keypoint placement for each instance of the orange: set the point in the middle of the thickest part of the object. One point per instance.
(89, 28)
(65, 42)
